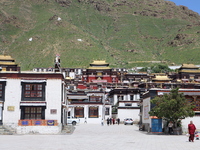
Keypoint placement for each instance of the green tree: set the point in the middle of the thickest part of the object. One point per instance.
(160, 68)
(172, 107)
(144, 69)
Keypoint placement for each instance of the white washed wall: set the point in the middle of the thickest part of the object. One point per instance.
(53, 99)
(126, 98)
(132, 113)
(86, 114)
(86, 110)
(115, 99)
(145, 110)
(39, 129)
(72, 75)
(122, 104)
(53, 96)
(136, 97)
(186, 121)
(12, 98)
(135, 105)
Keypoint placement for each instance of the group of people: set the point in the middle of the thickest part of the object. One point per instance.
(191, 130)
(111, 121)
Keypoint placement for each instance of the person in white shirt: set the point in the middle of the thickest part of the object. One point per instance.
(170, 126)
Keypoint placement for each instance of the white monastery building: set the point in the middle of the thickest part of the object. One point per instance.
(31, 102)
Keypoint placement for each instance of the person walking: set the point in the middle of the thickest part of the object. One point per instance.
(102, 122)
(85, 120)
(108, 121)
(170, 127)
(118, 121)
(191, 131)
(113, 120)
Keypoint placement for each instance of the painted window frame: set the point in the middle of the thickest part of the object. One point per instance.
(2, 90)
(41, 86)
(27, 112)
(107, 111)
(93, 112)
(79, 112)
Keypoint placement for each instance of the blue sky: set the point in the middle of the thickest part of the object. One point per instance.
(191, 4)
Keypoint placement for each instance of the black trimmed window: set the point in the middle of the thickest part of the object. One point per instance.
(2, 90)
(197, 103)
(33, 91)
(120, 97)
(128, 104)
(107, 111)
(93, 112)
(79, 112)
(95, 98)
(30, 112)
(131, 97)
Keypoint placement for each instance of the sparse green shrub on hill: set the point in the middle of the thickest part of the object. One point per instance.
(119, 32)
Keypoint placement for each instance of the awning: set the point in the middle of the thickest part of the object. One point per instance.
(32, 103)
(189, 92)
(33, 81)
(2, 79)
(77, 97)
(185, 79)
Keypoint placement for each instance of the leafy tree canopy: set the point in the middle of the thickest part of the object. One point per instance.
(160, 68)
(172, 106)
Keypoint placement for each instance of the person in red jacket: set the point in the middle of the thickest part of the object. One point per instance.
(191, 131)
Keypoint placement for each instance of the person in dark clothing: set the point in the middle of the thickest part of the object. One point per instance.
(170, 126)
(113, 120)
(108, 121)
(102, 122)
(118, 121)
(85, 120)
(191, 131)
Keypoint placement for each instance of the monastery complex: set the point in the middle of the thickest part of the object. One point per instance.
(41, 100)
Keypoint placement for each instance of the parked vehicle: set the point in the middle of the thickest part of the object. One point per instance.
(128, 121)
(73, 121)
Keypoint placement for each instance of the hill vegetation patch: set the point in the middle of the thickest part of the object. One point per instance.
(118, 31)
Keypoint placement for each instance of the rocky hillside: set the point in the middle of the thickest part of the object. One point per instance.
(125, 33)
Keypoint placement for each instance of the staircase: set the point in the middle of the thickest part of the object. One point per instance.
(5, 131)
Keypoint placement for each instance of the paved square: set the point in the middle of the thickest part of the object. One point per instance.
(97, 137)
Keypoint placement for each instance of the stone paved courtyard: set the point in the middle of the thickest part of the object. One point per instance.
(97, 137)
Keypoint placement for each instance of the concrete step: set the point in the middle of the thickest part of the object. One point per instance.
(4, 131)
(68, 129)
